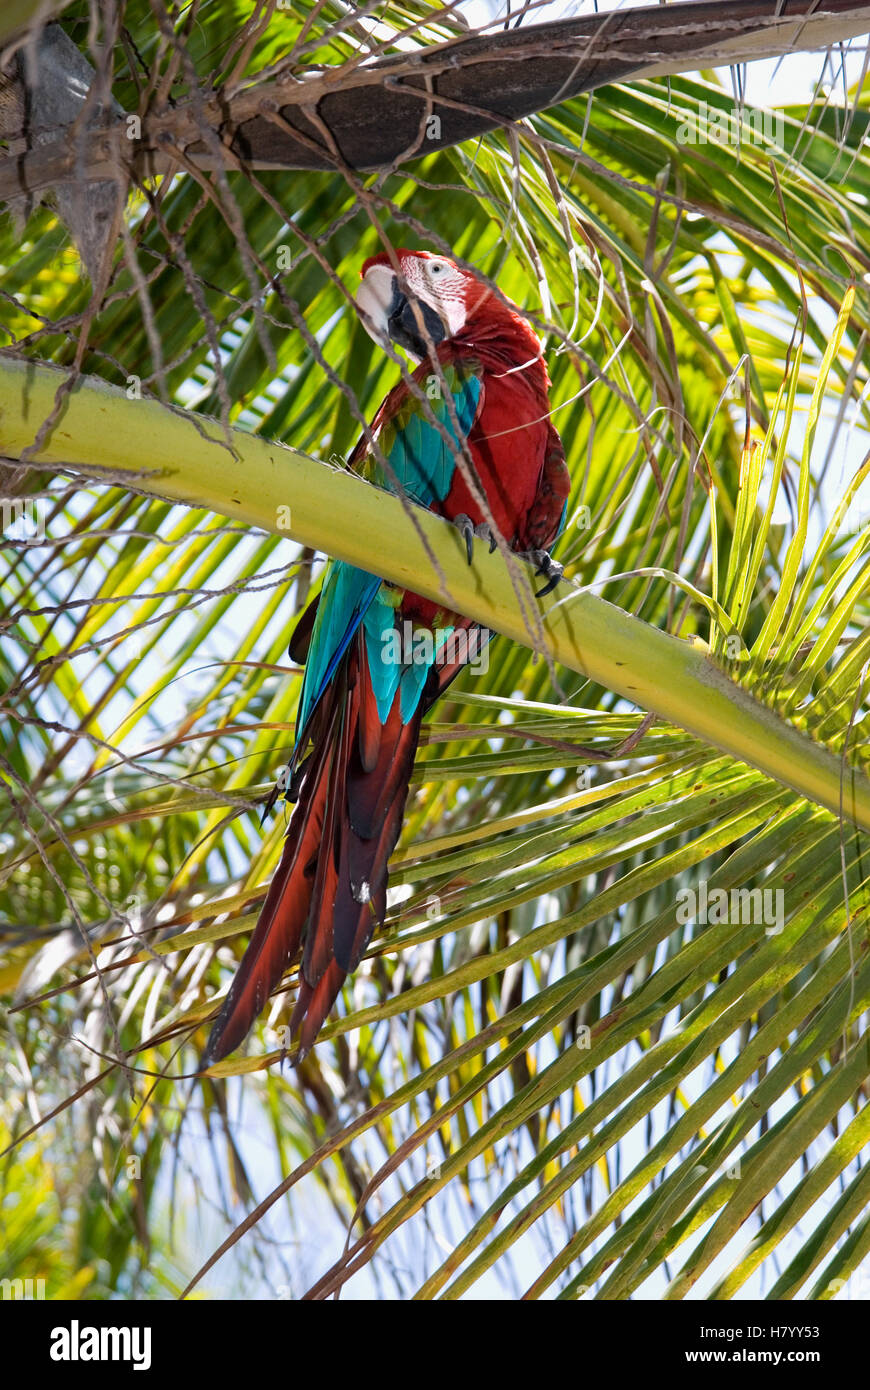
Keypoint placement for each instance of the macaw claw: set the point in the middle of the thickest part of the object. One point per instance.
(467, 529)
(546, 566)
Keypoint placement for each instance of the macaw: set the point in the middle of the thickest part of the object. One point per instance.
(362, 701)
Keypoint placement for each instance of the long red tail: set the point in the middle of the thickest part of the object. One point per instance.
(330, 887)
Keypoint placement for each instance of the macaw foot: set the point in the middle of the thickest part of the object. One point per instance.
(544, 564)
(467, 529)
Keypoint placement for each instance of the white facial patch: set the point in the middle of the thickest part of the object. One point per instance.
(441, 284)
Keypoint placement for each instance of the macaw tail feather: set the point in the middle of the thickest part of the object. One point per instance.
(330, 888)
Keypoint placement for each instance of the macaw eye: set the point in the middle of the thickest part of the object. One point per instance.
(436, 267)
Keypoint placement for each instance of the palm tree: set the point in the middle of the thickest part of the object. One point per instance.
(613, 1038)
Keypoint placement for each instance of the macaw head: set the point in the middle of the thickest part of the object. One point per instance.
(436, 294)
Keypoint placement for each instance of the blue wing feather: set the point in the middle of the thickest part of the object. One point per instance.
(423, 465)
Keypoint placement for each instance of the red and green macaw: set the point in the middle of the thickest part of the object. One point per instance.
(361, 704)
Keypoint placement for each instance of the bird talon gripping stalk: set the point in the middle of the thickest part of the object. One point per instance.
(545, 565)
(467, 529)
(361, 703)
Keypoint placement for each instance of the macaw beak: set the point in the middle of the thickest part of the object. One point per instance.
(395, 315)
